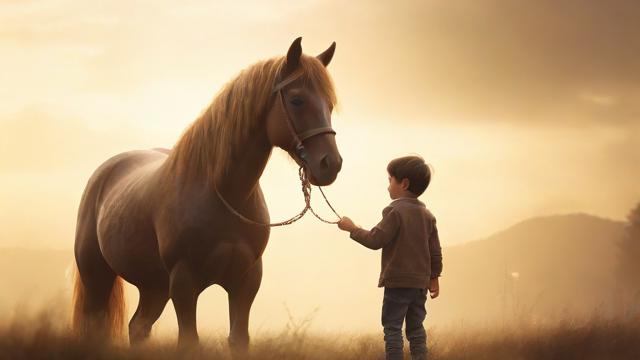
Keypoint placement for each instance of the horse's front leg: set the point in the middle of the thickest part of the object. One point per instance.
(184, 291)
(240, 300)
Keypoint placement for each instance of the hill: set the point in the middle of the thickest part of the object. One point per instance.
(540, 268)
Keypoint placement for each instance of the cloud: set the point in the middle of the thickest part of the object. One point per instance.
(38, 140)
(537, 62)
(501, 60)
(545, 61)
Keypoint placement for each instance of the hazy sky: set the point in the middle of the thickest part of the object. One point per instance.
(522, 108)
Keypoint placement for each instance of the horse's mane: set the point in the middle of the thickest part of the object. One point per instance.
(207, 147)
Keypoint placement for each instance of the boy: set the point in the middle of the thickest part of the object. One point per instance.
(411, 255)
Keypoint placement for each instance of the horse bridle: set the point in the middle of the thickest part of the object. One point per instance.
(298, 138)
(301, 152)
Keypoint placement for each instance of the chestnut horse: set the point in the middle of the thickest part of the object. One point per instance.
(157, 219)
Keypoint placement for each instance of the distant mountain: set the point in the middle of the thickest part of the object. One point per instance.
(540, 267)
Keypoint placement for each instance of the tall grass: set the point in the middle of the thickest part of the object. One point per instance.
(44, 336)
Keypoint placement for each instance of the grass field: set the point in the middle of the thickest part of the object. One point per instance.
(43, 337)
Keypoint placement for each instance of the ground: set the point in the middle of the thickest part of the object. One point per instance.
(43, 336)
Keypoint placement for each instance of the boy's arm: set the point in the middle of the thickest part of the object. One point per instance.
(381, 234)
(436, 252)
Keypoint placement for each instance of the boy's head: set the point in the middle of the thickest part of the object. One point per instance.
(409, 176)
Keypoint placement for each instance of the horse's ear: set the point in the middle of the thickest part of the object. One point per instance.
(293, 56)
(327, 55)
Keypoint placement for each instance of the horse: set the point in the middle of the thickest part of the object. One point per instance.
(159, 219)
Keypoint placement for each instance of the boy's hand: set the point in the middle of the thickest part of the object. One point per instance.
(434, 288)
(346, 224)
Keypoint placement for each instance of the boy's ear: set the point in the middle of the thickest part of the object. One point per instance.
(405, 184)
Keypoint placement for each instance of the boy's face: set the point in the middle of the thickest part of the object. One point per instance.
(397, 188)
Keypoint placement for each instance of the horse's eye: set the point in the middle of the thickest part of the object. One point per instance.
(297, 101)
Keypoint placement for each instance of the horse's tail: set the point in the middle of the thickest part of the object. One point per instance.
(110, 319)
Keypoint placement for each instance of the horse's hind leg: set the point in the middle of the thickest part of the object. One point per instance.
(150, 306)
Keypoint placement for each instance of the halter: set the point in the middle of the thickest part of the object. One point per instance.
(298, 138)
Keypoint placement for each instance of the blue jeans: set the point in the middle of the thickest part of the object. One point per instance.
(400, 304)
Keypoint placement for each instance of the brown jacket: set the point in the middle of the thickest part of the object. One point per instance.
(408, 236)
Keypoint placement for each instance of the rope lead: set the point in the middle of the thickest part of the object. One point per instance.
(306, 192)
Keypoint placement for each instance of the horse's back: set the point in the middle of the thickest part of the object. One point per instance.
(126, 167)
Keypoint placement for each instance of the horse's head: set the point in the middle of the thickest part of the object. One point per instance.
(299, 120)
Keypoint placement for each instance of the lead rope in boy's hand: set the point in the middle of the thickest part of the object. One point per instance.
(306, 192)
(308, 186)
(331, 207)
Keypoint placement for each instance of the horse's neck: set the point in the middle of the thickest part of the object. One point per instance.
(246, 167)
(248, 160)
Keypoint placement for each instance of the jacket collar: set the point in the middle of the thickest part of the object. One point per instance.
(408, 200)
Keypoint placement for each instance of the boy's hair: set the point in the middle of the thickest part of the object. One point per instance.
(413, 168)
